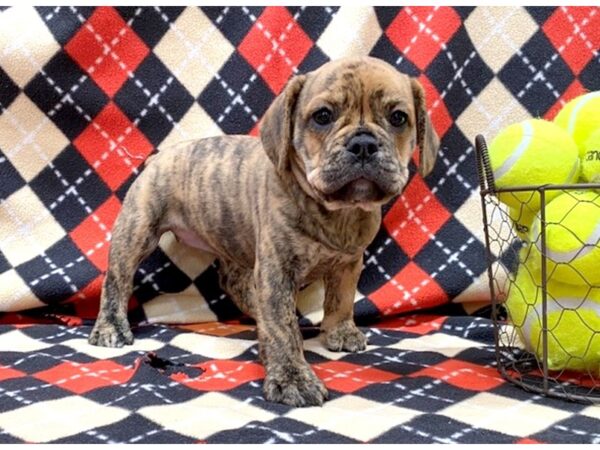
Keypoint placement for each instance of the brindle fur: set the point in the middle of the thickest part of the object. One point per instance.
(268, 209)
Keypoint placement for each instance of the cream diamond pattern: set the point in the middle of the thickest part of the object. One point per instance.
(505, 415)
(17, 341)
(29, 139)
(355, 417)
(206, 415)
(494, 109)
(499, 32)
(26, 44)
(212, 346)
(195, 124)
(55, 419)
(447, 345)
(38, 230)
(187, 306)
(15, 295)
(353, 31)
(193, 49)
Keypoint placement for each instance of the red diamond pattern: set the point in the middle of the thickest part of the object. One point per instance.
(346, 377)
(420, 31)
(421, 324)
(81, 378)
(91, 235)
(574, 32)
(574, 90)
(88, 309)
(113, 146)
(463, 374)
(436, 107)
(107, 49)
(222, 375)
(415, 217)
(528, 441)
(411, 288)
(275, 45)
(6, 373)
(256, 48)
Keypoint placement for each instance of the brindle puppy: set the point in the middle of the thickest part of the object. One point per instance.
(300, 204)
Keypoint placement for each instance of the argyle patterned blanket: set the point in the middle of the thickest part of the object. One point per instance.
(88, 93)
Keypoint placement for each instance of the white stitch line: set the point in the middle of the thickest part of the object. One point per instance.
(108, 49)
(228, 375)
(422, 26)
(238, 99)
(578, 28)
(498, 118)
(576, 431)
(193, 49)
(146, 387)
(50, 16)
(149, 277)
(70, 188)
(113, 145)
(423, 434)
(412, 216)
(287, 436)
(507, 412)
(101, 437)
(22, 226)
(102, 374)
(67, 98)
(457, 70)
(538, 75)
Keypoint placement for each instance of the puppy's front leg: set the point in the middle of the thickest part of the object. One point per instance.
(289, 379)
(339, 331)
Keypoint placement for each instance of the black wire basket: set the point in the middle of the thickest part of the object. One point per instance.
(547, 332)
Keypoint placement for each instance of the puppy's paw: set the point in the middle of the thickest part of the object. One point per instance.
(295, 386)
(345, 337)
(111, 334)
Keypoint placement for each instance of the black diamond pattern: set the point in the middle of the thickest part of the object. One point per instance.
(138, 102)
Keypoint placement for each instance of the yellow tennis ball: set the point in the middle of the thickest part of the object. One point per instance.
(590, 162)
(580, 117)
(572, 321)
(532, 152)
(522, 218)
(572, 237)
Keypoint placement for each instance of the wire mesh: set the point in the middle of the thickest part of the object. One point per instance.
(543, 258)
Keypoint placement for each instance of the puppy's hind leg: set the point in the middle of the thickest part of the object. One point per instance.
(135, 236)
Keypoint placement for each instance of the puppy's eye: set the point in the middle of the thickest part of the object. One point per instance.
(323, 116)
(398, 118)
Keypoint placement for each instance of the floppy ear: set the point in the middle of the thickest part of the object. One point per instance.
(427, 139)
(277, 127)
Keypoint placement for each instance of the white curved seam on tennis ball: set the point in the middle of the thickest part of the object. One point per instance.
(514, 156)
(574, 171)
(568, 256)
(580, 104)
(553, 306)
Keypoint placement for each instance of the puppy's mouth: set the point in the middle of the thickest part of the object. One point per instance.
(360, 190)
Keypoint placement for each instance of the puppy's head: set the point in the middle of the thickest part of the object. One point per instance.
(347, 132)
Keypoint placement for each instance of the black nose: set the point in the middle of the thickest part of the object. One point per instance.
(363, 145)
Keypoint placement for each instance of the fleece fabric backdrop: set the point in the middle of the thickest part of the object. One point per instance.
(86, 94)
